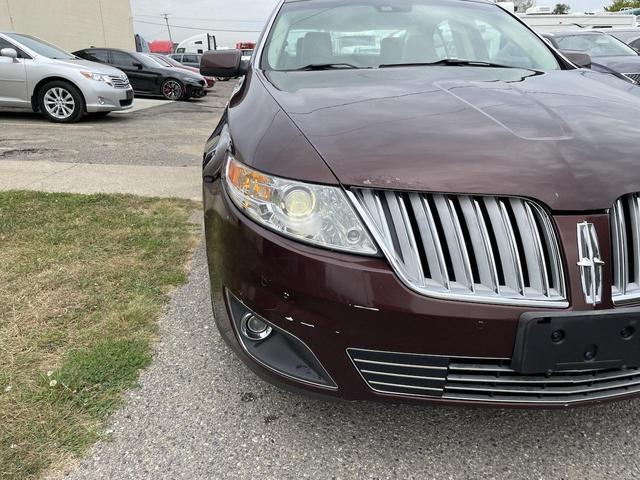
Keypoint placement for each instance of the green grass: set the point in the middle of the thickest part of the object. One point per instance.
(83, 281)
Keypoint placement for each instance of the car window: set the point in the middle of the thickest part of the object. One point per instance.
(400, 32)
(595, 45)
(190, 59)
(101, 56)
(177, 58)
(41, 47)
(5, 44)
(122, 59)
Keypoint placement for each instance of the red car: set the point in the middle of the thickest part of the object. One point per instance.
(175, 64)
(422, 200)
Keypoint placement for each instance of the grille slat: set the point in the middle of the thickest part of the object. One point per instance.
(625, 246)
(634, 76)
(488, 380)
(477, 248)
(430, 240)
(119, 82)
(481, 242)
(454, 239)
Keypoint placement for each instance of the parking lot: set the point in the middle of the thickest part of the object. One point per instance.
(155, 149)
(199, 413)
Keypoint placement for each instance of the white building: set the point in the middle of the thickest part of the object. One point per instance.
(72, 24)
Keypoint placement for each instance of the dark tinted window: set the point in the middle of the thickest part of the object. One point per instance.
(122, 59)
(190, 59)
(101, 56)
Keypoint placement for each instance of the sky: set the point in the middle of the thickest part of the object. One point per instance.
(245, 18)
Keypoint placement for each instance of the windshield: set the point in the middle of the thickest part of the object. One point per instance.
(41, 47)
(172, 62)
(147, 61)
(160, 61)
(381, 32)
(595, 45)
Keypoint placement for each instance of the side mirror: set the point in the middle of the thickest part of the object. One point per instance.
(9, 52)
(223, 63)
(583, 60)
(138, 65)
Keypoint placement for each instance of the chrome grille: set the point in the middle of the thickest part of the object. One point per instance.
(119, 81)
(476, 248)
(634, 76)
(625, 245)
(486, 380)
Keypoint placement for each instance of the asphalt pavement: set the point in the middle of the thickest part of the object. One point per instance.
(200, 414)
(154, 149)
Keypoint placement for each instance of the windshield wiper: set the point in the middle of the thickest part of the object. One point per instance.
(454, 62)
(326, 66)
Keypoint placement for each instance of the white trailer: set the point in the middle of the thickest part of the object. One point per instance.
(544, 23)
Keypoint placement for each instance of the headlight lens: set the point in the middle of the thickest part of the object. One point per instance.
(98, 77)
(316, 214)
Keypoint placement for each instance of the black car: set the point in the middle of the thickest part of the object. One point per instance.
(147, 76)
(608, 54)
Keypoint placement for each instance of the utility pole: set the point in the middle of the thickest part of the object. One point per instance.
(166, 19)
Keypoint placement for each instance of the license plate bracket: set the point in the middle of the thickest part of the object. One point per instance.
(547, 342)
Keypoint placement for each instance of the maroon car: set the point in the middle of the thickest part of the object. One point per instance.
(422, 200)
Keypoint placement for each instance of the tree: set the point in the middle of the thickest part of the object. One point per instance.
(561, 9)
(521, 6)
(618, 5)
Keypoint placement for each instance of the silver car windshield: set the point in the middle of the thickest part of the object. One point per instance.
(356, 34)
(41, 47)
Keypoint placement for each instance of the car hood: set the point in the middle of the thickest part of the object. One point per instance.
(621, 64)
(568, 138)
(80, 64)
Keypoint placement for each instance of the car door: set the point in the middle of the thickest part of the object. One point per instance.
(139, 79)
(13, 79)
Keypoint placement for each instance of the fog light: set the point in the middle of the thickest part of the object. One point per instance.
(101, 101)
(276, 349)
(254, 328)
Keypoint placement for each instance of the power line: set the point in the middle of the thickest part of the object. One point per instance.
(198, 28)
(221, 20)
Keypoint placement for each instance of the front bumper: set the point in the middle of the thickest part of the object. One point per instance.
(101, 97)
(362, 323)
(195, 90)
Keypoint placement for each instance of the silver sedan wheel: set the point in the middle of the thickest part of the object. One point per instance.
(59, 103)
(172, 90)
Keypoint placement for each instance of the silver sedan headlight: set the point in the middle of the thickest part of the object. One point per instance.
(98, 77)
(316, 214)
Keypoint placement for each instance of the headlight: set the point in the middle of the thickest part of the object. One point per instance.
(98, 77)
(316, 214)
